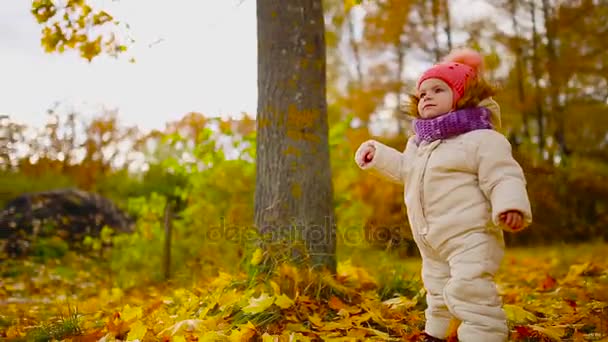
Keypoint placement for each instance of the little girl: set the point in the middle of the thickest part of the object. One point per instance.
(462, 186)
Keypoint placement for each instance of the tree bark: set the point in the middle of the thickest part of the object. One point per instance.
(355, 47)
(167, 245)
(554, 84)
(519, 67)
(293, 195)
(448, 23)
(538, 90)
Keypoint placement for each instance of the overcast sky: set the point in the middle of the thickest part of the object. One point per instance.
(202, 58)
(191, 55)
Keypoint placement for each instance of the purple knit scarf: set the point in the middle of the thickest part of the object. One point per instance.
(452, 124)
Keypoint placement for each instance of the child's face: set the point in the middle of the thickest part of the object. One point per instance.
(436, 98)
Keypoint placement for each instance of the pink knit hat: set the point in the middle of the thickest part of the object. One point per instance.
(456, 69)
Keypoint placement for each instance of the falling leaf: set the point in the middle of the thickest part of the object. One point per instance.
(260, 304)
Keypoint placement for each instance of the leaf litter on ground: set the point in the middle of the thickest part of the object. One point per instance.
(550, 294)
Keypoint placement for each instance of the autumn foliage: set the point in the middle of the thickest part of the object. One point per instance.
(550, 69)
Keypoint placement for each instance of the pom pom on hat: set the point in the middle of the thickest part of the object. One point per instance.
(466, 56)
(456, 69)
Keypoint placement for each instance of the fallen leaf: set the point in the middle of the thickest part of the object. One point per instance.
(283, 301)
(548, 283)
(137, 332)
(129, 313)
(243, 333)
(257, 256)
(518, 315)
(335, 303)
(400, 302)
(260, 304)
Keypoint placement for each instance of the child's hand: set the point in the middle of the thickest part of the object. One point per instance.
(365, 154)
(512, 219)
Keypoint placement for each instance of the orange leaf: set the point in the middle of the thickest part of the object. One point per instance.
(548, 283)
(336, 304)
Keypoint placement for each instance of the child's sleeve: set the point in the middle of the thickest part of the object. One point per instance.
(501, 178)
(389, 163)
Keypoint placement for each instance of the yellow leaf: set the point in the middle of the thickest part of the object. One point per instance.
(283, 301)
(211, 336)
(379, 333)
(244, 333)
(358, 274)
(179, 338)
(269, 338)
(221, 281)
(576, 271)
(257, 257)
(275, 288)
(316, 320)
(129, 313)
(400, 302)
(188, 325)
(137, 332)
(518, 315)
(260, 304)
(357, 333)
(229, 298)
(553, 333)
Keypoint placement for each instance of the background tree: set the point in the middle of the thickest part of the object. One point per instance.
(293, 179)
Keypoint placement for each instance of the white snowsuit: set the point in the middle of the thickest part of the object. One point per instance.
(455, 190)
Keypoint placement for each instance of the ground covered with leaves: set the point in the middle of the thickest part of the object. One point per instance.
(557, 293)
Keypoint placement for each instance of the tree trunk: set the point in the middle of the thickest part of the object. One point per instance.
(435, 15)
(355, 47)
(538, 91)
(167, 245)
(519, 67)
(293, 195)
(554, 84)
(448, 24)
